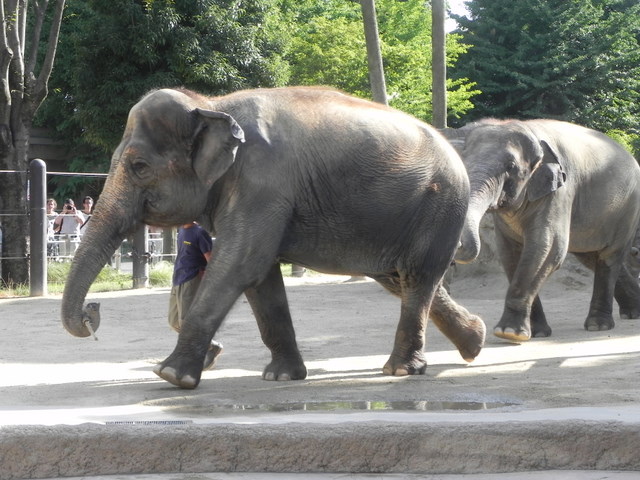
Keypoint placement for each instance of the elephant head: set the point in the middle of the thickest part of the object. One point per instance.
(507, 165)
(173, 150)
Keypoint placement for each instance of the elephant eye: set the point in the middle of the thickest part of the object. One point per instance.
(140, 167)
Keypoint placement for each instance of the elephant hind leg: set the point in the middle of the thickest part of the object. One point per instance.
(465, 330)
(624, 288)
(600, 315)
(627, 294)
(415, 292)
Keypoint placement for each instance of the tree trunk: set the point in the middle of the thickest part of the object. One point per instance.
(14, 219)
(439, 67)
(22, 91)
(374, 56)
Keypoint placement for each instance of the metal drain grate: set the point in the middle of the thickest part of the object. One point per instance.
(151, 422)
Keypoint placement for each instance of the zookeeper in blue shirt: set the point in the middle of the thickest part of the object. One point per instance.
(194, 252)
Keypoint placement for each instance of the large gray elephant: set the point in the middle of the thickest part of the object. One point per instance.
(553, 187)
(303, 175)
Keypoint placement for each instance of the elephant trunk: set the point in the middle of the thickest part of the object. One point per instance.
(470, 244)
(109, 225)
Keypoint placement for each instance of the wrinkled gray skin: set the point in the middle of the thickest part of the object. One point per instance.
(553, 187)
(632, 262)
(302, 175)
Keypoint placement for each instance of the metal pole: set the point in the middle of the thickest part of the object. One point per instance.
(141, 257)
(438, 54)
(169, 237)
(38, 228)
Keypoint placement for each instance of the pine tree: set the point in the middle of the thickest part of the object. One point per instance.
(576, 60)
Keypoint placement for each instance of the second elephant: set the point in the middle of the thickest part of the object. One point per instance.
(553, 187)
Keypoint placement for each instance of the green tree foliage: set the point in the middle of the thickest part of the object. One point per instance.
(110, 53)
(575, 60)
(328, 48)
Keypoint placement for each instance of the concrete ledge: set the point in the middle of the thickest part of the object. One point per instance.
(369, 447)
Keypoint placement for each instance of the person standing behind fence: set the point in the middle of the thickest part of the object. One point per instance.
(52, 248)
(194, 252)
(87, 211)
(70, 221)
(51, 216)
(67, 228)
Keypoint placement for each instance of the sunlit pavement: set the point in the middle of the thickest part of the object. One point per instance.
(78, 408)
(543, 475)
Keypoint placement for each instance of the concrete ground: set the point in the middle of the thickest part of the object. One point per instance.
(560, 407)
(545, 475)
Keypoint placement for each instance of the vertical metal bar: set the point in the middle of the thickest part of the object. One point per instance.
(38, 228)
(169, 239)
(141, 257)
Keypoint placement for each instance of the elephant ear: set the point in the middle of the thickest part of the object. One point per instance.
(548, 177)
(214, 144)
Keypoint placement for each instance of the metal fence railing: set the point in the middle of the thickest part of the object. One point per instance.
(145, 249)
(62, 247)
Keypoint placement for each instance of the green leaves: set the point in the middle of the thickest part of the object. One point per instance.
(328, 48)
(112, 52)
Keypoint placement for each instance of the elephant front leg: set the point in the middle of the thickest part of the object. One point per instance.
(539, 325)
(183, 368)
(515, 323)
(268, 301)
(521, 319)
(527, 269)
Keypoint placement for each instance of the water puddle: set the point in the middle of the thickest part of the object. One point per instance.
(398, 406)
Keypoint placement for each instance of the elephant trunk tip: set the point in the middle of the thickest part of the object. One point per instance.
(466, 254)
(91, 318)
(87, 324)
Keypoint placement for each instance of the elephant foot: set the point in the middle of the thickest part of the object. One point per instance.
(178, 373)
(629, 313)
(465, 330)
(541, 334)
(211, 358)
(514, 326)
(470, 339)
(512, 334)
(399, 367)
(285, 369)
(595, 323)
(541, 331)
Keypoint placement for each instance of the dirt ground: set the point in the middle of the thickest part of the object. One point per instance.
(345, 331)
